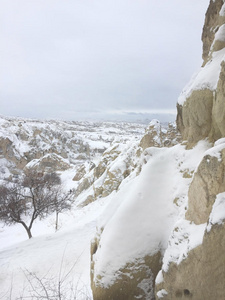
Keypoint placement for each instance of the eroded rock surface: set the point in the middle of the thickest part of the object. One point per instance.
(134, 281)
(208, 181)
(121, 160)
(213, 20)
(199, 272)
(194, 118)
(201, 106)
(201, 275)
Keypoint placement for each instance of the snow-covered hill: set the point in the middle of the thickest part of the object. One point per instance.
(108, 173)
(58, 144)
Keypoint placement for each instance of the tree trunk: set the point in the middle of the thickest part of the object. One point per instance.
(29, 233)
(56, 221)
(28, 230)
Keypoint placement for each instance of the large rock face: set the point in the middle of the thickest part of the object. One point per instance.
(193, 264)
(201, 106)
(208, 181)
(173, 213)
(218, 108)
(213, 20)
(194, 118)
(201, 275)
(198, 272)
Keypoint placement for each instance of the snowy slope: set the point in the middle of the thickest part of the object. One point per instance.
(147, 198)
(73, 143)
(140, 217)
(48, 252)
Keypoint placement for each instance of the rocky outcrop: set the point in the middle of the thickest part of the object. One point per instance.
(201, 275)
(208, 181)
(152, 137)
(107, 175)
(158, 136)
(200, 108)
(193, 264)
(218, 108)
(122, 160)
(82, 170)
(10, 153)
(134, 281)
(49, 163)
(213, 20)
(194, 118)
(200, 272)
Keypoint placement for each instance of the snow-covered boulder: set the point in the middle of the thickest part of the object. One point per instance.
(152, 137)
(134, 230)
(49, 163)
(157, 135)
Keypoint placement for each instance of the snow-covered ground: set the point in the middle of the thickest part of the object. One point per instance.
(49, 255)
(69, 248)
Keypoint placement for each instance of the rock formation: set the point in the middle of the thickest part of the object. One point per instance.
(208, 181)
(157, 136)
(128, 249)
(189, 247)
(201, 275)
(122, 160)
(201, 106)
(56, 145)
(199, 271)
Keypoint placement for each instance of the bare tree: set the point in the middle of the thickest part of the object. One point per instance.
(62, 201)
(36, 196)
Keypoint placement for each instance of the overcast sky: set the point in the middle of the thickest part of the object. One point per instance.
(79, 59)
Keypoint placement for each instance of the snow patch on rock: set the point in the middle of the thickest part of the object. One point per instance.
(217, 215)
(206, 78)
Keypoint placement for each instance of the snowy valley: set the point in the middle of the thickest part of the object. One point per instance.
(82, 159)
(94, 160)
(148, 217)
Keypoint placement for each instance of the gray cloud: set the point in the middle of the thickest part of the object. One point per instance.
(65, 59)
